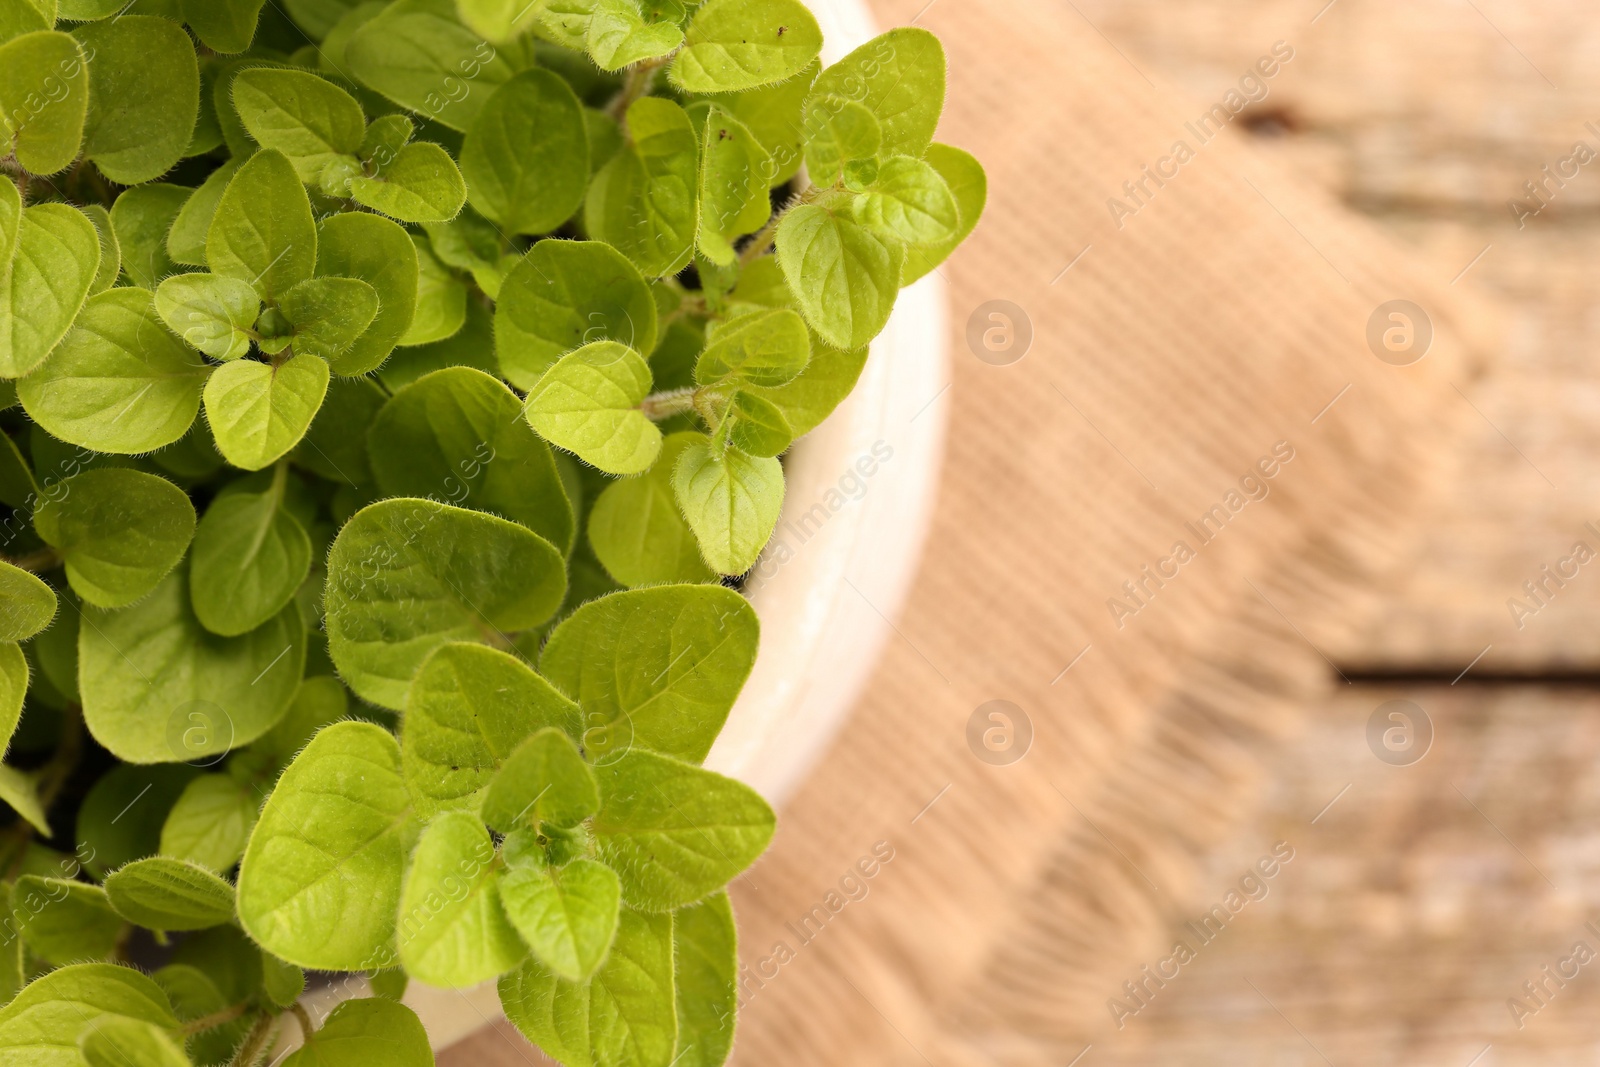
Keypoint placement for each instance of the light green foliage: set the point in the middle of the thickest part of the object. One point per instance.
(360, 1033)
(405, 576)
(211, 313)
(320, 882)
(526, 155)
(731, 500)
(120, 532)
(565, 294)
(589, 403)
(458, 435)
(44, 98)
(624, 1016)
(26, 604)
(307, 118)
(706, 973)
(637, 531)
(657, 667)
(469, 708)
(144, 96)
(49, 256)
(567, 915)
(544, 781)
(844, 277)
(421, 184)
(210, 823)
(259, 411)
(250, 555)
(457, 280)
(644, 201)
(676, 832)
(158, 687)
(117, 1041)
(263, 232)
(380, 253)
(119, 382)
(63, 921)
(162, 893)
(453, 930)
(742, 44)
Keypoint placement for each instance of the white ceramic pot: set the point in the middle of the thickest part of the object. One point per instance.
(860, 494)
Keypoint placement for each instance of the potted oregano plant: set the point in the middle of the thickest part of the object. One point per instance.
(392, 394)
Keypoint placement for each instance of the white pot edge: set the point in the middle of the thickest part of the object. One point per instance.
(827, 586)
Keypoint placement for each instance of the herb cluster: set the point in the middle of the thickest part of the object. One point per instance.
(403, 658)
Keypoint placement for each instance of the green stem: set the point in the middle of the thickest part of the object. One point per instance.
(45, 559)
(664, 405)
(640, 77)
(303, 1017)
(215, 1019)
(69, 750)
(254, 1042)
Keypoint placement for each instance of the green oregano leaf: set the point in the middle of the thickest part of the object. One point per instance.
(545, 780)
(282, 982)
(211, 313)
(27, 604)
(756, 426)
(405, 576)
(773, 114)
(421, 184)
(623, 1015)
(320, 883)
(250, 555)
(764, 348)
(734, 173)
(258, 411)
(63, 922)
(210, 823)
(676, 832)
(899, 77)
(119, 531)
(117, 351)
(909, 202)
(468, 708)
(360, 1033)
(565, 294)
(567, 915)
(844, 278)
(658, 668)
(619, 35)
(223, 25)
(44, 98)
(380, 253)
(21, 793)
(705, 953)
(417, 54)
(838, 131)
(731, 501)
(589, 403)
(144, 96)
(186, 237)
(441, 307)
(458, 435)
(964, 176)
(13, 690)
(732, 45)
(453, 931)
(158, 687)
(40, 1027)
(644, 201)
(115, 1041)
(263, 232)
(162, 893)
(637, 532)
(49, 256)
(110, 250)
(526, 155)
(329, 315)
(306, 117)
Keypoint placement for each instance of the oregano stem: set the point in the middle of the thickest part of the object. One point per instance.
(670, 402)
(303, 1017)
(640, 77)
(254, 1042)
(69, 750)
(45, 559)
(215, 1019)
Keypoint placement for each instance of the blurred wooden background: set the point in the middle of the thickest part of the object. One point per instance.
(1425, 897)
